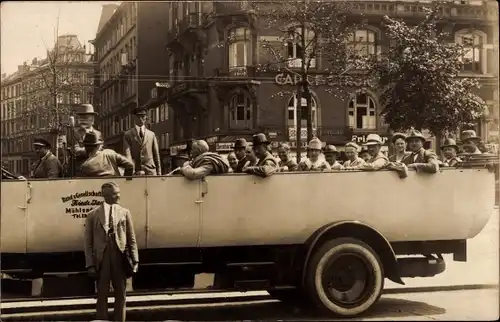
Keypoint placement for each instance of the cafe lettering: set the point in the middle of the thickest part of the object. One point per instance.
(360, 139)
(283, 79)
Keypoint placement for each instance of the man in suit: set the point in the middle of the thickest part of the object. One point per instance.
(240, 148)
(85, 118)
(419, 159)
(48, 165)
(140, 146)
(109, 231)
(267, 164)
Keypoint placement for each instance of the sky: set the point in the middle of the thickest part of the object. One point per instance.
(25, 27)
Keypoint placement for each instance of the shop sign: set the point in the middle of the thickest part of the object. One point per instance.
(288, 79)
(174, 149)
(212, 139)
(79, 204)
(360, 139)
(224, 146)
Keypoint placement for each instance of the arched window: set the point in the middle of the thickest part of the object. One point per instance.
(473, 58)
(239, 46)
(362, 112)
(364, 43)
(240, 111)
(293, 104)
(295, 52)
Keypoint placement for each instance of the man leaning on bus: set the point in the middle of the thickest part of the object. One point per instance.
(109, 244)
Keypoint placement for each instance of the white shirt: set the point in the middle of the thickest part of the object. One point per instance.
(141, 128)
(107, 208)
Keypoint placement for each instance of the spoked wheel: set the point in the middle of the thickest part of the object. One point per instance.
(345, 276)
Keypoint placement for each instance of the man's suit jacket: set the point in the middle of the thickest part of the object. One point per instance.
(144, 153)
(96, 236)
(426, 161)
(48, 167)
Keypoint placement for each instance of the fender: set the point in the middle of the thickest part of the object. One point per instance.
(356, 229)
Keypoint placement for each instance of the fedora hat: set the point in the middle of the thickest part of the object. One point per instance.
(314, 144)
(373, 139)
(469, 135)
(91, 139)
(330, 149)
(41, 142)
(415, 134)
(240, 144)
(396, 136)
(85, 109)
(140, 111)
(259, 139)
(450, 142)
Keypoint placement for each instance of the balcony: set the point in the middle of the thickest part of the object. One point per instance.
(190, 22)
(488, 11)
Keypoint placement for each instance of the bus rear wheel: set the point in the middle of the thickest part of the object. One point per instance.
(345, 277)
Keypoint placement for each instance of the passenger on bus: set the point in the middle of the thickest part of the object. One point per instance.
(313, 162)
(399, 143)
(420, 159)
(240, 147)
(203, 162)
(105, 162)
(450, 150)
(377, 160)
(250, 157)
(267, 164)
(470, 142)
(85, 118)
(48, 166)
(331, 154)
(351, 151)
(286, 163)
(364, 154)
(141, 146)
(233, 162)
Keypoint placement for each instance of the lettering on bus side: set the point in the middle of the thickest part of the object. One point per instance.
(79, 204)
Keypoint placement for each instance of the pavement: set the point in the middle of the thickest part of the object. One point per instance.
(474, 305)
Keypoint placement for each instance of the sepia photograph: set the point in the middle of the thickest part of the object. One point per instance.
(267, 160)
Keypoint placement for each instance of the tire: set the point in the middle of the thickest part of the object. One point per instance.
(292, 296)
(359, 274)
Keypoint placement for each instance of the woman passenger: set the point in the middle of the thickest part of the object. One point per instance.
(313, 162)
(399, 142)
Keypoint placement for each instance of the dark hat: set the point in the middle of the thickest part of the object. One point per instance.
(240, 144)
(450, 142)
(140, 111)
(396, 136)
(259, 139)
(91, 139)
(84, 109)
(415, 134)
(330, 149)
(41, 142)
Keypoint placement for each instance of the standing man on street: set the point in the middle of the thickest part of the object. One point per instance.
(109, 232)
(141, 146)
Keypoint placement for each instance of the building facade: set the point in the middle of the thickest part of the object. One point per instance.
(130, 60)
(29, 96)
(217, 93)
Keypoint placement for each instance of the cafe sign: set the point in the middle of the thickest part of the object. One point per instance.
(289, 79)
(360, 139)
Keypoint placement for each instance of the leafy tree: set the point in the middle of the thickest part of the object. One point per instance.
(419, 78)
(308, 30)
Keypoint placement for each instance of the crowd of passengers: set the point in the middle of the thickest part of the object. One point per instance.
(141, 154)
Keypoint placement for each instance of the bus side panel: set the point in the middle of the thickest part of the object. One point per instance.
(14, 196)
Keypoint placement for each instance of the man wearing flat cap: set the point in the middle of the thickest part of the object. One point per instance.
(240, 149)
(331, 155)
(103, 162)
(450, 151)
(377, 159)
(141, 146)
(48, 165)
(420, 159)
(267, 164)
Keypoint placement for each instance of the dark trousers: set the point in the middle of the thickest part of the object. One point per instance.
(111, 269)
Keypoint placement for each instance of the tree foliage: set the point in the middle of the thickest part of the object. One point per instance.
(419, 78)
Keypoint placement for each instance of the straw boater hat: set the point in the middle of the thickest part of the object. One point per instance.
(260, 139)
(352, 145)
(41, 142)
(415, 134)
(330, 149)
(396, 136)
(85, 109)
(469, 135)
(373, 139)
(450, 142)
(91, 139)
(315, 144)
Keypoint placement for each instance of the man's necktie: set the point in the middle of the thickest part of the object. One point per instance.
(141, 134)
(111, 225)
